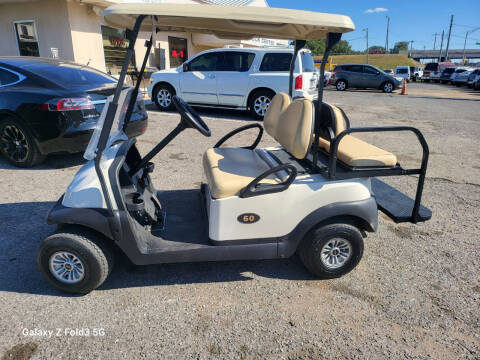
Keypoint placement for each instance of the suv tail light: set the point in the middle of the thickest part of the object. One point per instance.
(68, 104)
(299, 82)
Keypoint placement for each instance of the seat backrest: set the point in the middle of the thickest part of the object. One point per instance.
(334, 117)
(290, 123)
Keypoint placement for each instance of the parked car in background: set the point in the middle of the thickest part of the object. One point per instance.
(403, 72)
(237, 78)
(446, 74)
(476, 82)
(433, 70)
(416, 72)
(326, 77)
(363, 76)
(462, 78)
(389, 71)
(49, 106)
(471, 77)
(456, 73)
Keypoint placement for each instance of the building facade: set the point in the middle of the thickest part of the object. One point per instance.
(74, 30)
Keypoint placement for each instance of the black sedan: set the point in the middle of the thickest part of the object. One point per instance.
(52, 106)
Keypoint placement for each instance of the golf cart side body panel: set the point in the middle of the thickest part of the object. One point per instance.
(308, 193)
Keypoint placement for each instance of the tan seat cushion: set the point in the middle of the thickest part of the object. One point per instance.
(290, 123)
(356, 152)
(229, 170)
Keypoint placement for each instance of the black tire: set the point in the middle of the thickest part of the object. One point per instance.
(94, 255)
(17, 144)
(341, 85)
(166, 92)
(259, 102)
(387, 87)
(311, 246)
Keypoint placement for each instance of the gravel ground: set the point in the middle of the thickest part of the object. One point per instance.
(415, 294)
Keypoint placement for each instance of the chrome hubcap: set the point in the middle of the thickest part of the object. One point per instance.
(164, 98)
(341, 85)
(66, 267)
(14, 143)
(335, 253)
(261, 105)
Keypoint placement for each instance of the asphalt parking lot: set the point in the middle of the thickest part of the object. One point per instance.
(415, 294)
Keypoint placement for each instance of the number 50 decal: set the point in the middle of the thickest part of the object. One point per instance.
(248, 218)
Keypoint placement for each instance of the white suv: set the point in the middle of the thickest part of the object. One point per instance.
(237, 78)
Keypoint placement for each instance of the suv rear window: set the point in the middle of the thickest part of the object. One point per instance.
(353, 68)
(69, 74)
(431, 66)
(402, 71)
(308, 65)
(276, 62)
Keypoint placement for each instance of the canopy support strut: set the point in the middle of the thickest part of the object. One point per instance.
(299, 44)
(332, 40)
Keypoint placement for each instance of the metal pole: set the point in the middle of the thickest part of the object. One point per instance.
(441, 47)
(448, 40)
(464, 46)
(411, 47)
(366, 30)
(386, 40)
(435, 41)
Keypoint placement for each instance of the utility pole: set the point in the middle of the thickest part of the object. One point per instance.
(465, 43)
(435, 41)
(411, 47)
(448, 40)
(366, 30)
(386, 40)
(441, 47)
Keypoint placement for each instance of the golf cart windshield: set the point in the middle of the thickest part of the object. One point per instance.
(116, 131)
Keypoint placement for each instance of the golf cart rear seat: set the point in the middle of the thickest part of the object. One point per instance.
(238, 171)
(351, 150)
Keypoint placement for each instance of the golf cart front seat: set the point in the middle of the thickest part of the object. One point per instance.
(231, 170)
(351, 150)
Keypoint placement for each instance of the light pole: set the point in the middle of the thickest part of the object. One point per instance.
(435, 41)
(441, 47)
(448, 39)
(465, 43)
(386, 39)
(366, 30)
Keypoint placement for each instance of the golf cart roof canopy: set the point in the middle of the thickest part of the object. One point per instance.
(229, 22)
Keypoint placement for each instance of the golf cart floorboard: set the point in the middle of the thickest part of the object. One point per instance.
(183, 235)
(395, 204)
(184, 223)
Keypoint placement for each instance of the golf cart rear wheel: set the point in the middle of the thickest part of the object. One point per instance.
(75, 260)
(163, 97)
(332, 250)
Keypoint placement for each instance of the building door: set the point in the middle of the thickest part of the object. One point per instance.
(178, 50)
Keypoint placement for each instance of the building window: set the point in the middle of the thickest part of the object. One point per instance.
(115, 50)
(178, 51)
(26, 33)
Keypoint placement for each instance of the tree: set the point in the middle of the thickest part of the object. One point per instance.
(400, 46)
(376, 49)
(317, 47)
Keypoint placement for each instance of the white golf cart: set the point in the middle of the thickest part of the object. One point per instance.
(316, 193)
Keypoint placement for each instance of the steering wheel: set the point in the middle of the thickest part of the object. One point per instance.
(190, 117)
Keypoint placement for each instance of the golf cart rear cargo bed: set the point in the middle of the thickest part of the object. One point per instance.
(396, 205)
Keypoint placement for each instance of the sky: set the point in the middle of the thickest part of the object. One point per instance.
(409, 20)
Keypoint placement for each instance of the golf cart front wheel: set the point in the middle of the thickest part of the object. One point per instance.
(75, 260)
(332, 250)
